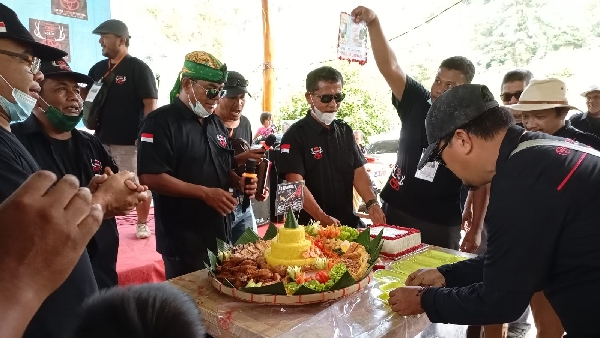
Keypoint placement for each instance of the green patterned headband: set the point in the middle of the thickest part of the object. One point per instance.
(200, 66)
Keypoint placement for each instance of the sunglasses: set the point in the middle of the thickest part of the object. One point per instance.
(438, 156)
(34, 63)
(212, 93)
(506, 97)
(327, 98)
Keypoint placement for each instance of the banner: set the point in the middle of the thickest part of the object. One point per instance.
(52, 34)
(289, 195)
(70, 8)
(352, 40)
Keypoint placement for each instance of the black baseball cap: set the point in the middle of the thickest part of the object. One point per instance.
(11, 28)
(113, 26)
(236, 84)
(61, 67)
(452, 110)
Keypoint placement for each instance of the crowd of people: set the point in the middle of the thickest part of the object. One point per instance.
(526, 173)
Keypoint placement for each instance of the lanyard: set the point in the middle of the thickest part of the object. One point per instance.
(113, 67)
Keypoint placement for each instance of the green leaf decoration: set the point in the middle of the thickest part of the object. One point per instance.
(290, 220)
(303, 290)
(345, 281)
(271, 232)
(364, 238)
(212, 259)
(223, 246)
(249, 236)
(271, 289)
(374, 247)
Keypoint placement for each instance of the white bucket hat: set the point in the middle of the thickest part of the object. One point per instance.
(543, 94)
(591, 89)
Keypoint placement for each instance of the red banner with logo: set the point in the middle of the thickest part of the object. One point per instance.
(52, 34)
(70, 8)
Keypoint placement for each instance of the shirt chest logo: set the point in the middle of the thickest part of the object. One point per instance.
(120, 79)
(222, 140)
(397, 179)
(96, 167)
(317, 152)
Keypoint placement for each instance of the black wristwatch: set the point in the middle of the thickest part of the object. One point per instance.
(371, 203)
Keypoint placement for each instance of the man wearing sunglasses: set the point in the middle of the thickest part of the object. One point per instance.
(322, 151)
(129, 97)
(542, 220)
(428, 199)
(185, 158)
(513, 85)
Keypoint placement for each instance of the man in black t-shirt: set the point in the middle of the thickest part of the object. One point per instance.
(542, 220)
(131, 96)
(230, 109)
(589, 121)
(428, 199)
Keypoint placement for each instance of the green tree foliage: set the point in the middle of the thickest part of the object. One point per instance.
(520, 31)
(365, 107)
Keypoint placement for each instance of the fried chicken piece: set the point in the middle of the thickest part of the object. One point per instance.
(279, 269)
(249, 262)
(234, 260)
(262, 262)
(247, 269)
(261, 275)
(262, 245)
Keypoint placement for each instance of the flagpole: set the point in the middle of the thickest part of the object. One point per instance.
(268, 88)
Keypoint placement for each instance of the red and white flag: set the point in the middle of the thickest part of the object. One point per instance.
(147, 137)
(285, 148)
(2, 27)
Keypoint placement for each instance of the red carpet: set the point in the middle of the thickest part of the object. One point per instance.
(138, 261)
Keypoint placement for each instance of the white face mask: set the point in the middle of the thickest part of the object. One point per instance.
(23, 107)
(325, 118)
(198, 108)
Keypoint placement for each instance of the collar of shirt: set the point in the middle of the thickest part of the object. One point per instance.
(32, 126)
(509, 143)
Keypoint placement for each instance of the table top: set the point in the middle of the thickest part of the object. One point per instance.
(358, 315)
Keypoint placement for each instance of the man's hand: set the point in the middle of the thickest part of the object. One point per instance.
(96, 181)
(467, 217)
(472, 241)
(406, 301)
(119, 194)
(42, 235)
(326, 220)
(426, 277)
(362, 13)
(257, 154)
(220, 200)
(261, 197)
(248, 189)
(376, 214)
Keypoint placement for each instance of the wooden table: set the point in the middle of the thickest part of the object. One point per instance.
(361, 315)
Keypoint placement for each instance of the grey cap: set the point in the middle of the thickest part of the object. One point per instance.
(112, 26)
(452, 110)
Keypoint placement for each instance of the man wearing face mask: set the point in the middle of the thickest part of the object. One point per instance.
(50, 136)
(230, 109)
(322, 151)
(19, 72)
(184, 156)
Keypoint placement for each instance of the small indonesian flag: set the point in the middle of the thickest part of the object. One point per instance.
(285, 148)
(147, 138)
(2, 27)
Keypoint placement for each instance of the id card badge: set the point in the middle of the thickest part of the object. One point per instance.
(427, 173)
(93, 91)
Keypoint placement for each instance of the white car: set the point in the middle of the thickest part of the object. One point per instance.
(381, 155)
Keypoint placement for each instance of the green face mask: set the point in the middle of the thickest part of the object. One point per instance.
(61, 121)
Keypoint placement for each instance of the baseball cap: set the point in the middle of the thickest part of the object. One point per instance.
(591, 89)
(61, 67)
(11, 28)
(112, 26)
(236, 84)
(452, 110)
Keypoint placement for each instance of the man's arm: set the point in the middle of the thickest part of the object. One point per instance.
(150, 105)
(145, 85)
(514, 269)
(477, 200)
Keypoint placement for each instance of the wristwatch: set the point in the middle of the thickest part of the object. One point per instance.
(371, 203)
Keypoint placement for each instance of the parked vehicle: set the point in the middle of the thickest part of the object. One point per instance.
(381, 155)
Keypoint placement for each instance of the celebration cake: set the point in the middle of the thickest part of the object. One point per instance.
(397, 241)
(290, 247)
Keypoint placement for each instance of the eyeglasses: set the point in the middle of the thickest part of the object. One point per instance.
(212, 93)
(438, 156)
(327, 98)
(506, 97)
(34, 62)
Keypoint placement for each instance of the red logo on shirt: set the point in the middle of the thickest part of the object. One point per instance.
(120, 79)
(317, 153)
(397, 179)
(96, 167)
(563, 151)
(222, 140)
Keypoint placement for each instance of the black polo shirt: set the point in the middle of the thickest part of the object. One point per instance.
(174, 142)
(57, 316)
(123, 109)
(543, 234)
(415, 196)
(586, 123)
(568, 131)
(326, 158)
(242, 131)
(82, 156)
